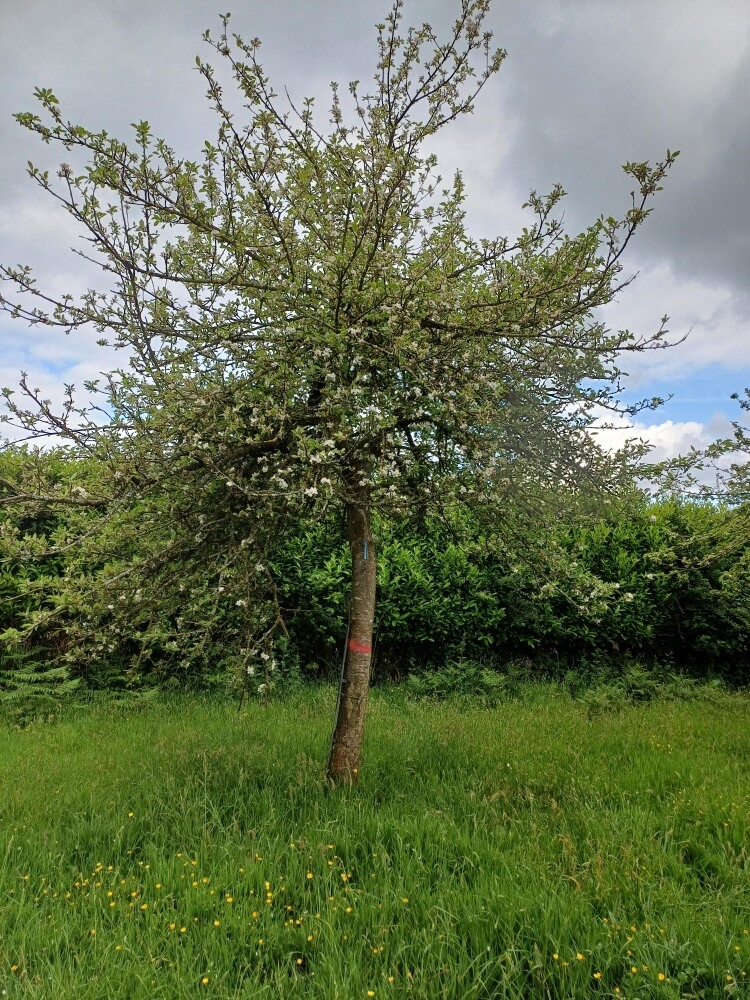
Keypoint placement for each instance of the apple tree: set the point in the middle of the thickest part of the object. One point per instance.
(306, 325)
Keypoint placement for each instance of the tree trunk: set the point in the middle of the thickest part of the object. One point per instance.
(346, 744)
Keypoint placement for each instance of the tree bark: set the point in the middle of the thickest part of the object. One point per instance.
(346, 744)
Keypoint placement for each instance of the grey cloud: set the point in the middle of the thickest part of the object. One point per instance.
(603, 83)
(587, 85)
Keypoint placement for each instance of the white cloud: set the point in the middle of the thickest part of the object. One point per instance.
(52, 360)
(708, 315)
(668, 439)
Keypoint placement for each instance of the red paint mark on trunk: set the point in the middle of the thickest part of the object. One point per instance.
(357, 647)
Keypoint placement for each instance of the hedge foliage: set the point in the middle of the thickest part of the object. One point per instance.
(667, 583)
(658, 583)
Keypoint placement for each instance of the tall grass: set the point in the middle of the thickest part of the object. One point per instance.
(526, 851)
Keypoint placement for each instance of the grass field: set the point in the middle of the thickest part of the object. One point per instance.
(525, 851)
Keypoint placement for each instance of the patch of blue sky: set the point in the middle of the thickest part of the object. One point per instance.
(700, 395)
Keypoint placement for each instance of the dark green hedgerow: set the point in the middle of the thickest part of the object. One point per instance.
(661, 583)
(659, 586)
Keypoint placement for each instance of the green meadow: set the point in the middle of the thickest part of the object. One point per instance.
(531, 850)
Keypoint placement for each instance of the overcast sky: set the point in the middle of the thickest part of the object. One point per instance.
(587, 85)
